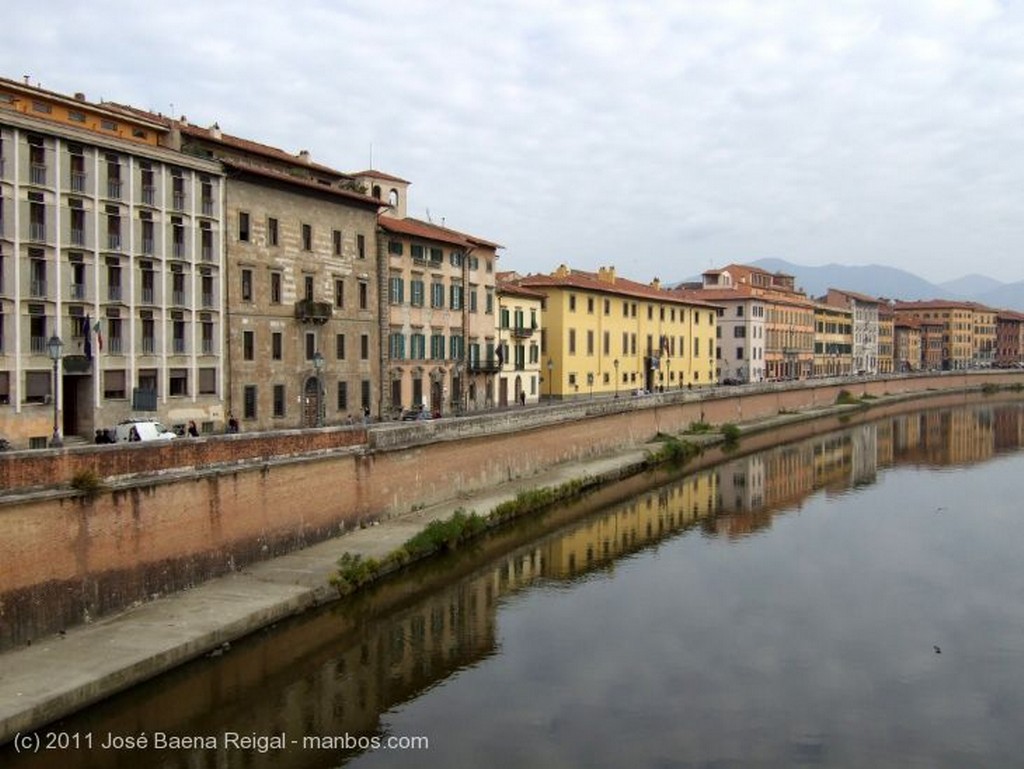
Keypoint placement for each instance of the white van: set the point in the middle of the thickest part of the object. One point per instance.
(144, 430)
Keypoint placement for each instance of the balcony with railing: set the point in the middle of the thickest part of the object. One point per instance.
(308, 311)
(207, 347)
(77, 182)
(147, 296)
(147, 246)
(484, 365)
(149, 195)
(77, 236)
(179, 250)
(522, 332)
(179, 347)
(207, 300)
(114, 241)
(37, 231)
(37, 173)
(37, 344)
(207, 207)
(178, 298)
(78, 291)
(114, 293)
(148, 345)
(114, 345)
(114, 189)
(178, 201)
(37, 288)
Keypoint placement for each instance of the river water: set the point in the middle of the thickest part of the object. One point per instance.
(852, 600)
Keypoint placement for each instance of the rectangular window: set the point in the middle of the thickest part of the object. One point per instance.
(364, 346)
(339, 292)
(276, 345)
(178, 382)
(207, 381)
(275, 288)
(365, 388)
(307, 237)
(342, 396)
(590, 342)
(248, 345)
(114, 385)
(249, 402)
(395, 247)
(397, 290)
(336, 237)
(243, 226)
(397, 346)
(572, 341)
(278, 400)
(364, 295)
(361, 246)
(436, 295)
(310, 345)
(339, 346)
(246, 285)
(416, 293)
(271, 231)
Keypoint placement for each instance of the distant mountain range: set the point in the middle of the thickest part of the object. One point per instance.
(893, 283)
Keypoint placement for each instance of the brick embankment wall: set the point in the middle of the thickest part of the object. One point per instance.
(179, 514)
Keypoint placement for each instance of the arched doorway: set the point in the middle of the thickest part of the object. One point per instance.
(311, 403)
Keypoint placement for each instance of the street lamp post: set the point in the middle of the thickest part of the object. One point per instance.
(551, 368)
(318, 366)
(590, 381)
(616, 364)
(55, 348)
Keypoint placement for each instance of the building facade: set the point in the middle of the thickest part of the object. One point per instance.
(441, 351)
(303, 297)
(606, 335)
(112, 242)
(865, 327)
(520, 327)
(833, 340)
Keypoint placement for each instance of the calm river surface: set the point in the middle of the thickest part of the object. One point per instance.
(854, 600)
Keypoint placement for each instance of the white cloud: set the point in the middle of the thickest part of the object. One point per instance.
(658, 136)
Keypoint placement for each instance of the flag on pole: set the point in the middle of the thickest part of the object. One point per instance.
(99, 336)
(87, 333)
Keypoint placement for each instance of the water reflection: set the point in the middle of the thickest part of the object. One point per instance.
(483, 655)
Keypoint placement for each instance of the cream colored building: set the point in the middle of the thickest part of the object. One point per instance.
(520, 327)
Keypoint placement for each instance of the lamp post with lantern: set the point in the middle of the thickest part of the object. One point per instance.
(55, 349)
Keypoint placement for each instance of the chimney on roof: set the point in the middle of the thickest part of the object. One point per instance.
(606, 275)
(215, 131)
(562, 271)
(79, 96)
(656, 283)
(183, 120)
(304, 156)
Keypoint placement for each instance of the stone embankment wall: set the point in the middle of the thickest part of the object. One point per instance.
(174, 515)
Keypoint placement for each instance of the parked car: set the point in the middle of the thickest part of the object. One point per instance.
(416, 414)
(132, 430)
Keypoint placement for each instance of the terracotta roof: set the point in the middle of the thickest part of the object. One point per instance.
(932, 304)
(101, 107)
(514, 288)
(380, 175)
(590, 281)
(864, 298)
(419, 229)
(300, 181)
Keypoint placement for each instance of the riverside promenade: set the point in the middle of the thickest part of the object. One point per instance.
(63, 673)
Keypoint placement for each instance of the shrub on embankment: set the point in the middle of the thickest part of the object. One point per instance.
(447, 534)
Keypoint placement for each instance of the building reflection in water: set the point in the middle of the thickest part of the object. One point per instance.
(339, 671)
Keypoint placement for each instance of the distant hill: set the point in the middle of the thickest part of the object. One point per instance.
(1006, 296)
(970, 286)
(872, 279)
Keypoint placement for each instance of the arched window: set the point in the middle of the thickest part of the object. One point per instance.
(393, 198)
(376, 191)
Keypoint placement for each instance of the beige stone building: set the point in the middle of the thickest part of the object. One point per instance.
(440, 341)
(833, 340)
(303, 296)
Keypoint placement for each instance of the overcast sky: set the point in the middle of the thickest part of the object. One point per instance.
(660, 137)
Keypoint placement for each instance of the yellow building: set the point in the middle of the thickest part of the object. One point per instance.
(604, 334)
(983, 335)
(833, 340)
(886, 338)
(907, 351)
